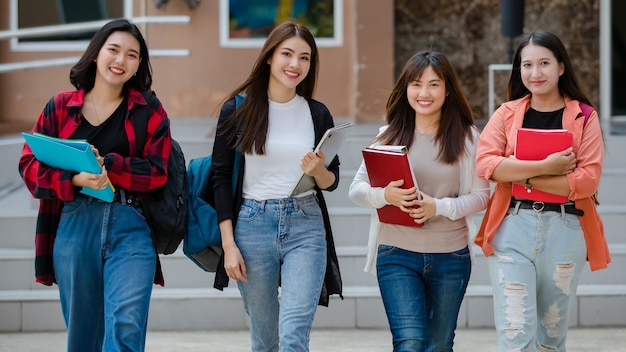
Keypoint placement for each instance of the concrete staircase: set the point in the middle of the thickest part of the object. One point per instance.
(188, 301)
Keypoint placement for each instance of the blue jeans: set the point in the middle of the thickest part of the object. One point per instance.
(104, 261)
(422, 294)
(534, 272)
(283, 243)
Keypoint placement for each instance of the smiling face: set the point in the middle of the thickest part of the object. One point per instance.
(540, 71)
(289, 65)
(427, 93)
(118, 59)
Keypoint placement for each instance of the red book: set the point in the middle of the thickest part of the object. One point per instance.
(385, 164)
(537, 144)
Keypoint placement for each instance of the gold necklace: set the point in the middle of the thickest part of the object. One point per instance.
(100, 120)
(95, 111)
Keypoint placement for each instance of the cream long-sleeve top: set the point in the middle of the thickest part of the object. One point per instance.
(473, 197)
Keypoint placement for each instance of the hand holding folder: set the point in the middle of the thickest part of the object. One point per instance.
(385, 164)
(69, 154)
(537, 144)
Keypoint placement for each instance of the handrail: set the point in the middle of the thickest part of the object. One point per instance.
(491, 93)
(79, 27)
(62, 61)
(82, 26)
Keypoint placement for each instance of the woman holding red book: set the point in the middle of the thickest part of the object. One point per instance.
(536, 250)
(423, 271)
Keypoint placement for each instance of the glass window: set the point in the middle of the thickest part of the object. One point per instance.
(37, 13)
(245, 23)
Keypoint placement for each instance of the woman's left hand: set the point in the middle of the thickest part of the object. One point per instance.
(425, 209)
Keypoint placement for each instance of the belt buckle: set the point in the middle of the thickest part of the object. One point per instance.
(538, 206)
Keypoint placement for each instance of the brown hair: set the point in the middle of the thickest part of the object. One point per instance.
(456, 115)
(253, 114)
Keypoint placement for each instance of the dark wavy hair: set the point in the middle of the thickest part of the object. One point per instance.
(568, 82)
(253, 114)
(83, 74)
(456, 119)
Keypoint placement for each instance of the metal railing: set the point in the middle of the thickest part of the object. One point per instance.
(492, 69)
(80, 27)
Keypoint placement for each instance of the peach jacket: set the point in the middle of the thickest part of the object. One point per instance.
(496, 143)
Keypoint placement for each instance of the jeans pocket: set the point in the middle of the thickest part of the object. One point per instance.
(139, 211)
(572, 222)
(384, 250)
(462, 253)
(310, 211)
(248, 213)
(72, 207)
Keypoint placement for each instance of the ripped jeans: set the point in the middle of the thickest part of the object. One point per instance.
(534, 272)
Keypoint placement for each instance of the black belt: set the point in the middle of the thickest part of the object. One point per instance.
(541, 206)
(130, 198)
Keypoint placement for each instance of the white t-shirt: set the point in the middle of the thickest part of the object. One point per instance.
(290, 135)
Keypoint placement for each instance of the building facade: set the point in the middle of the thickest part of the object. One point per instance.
(370, 42)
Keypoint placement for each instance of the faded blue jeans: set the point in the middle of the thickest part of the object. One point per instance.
(534, 272)
(283, 242)
(422, 294)
(104, 261)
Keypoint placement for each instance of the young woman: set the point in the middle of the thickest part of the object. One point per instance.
(101, 254)
(536, 251)
(278, 241)
(423, 271)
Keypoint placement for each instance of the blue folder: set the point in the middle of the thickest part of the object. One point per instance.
(69, 154)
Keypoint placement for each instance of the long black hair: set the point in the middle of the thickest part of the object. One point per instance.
(568, 82)
(83, 74)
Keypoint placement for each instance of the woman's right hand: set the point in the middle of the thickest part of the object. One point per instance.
(234, 264)
(405, 199)
(89, 180)
(560, 163)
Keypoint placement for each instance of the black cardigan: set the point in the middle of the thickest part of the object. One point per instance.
(227, 207)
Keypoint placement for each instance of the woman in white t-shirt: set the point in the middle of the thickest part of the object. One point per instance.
(278, 240)
(423, 271)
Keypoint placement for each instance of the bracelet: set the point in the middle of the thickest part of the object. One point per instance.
(528, 186)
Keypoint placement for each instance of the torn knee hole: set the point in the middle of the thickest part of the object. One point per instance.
(515, 294)
(544, 348)
(563, 276)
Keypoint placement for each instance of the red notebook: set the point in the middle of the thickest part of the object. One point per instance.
(385, 164)
(537, 144)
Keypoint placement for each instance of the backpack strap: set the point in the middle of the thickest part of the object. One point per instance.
(239, 99)
(586, 110)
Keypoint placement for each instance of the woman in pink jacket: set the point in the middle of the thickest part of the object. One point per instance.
(536, 251)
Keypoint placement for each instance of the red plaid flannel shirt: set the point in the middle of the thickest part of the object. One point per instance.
(60, 118)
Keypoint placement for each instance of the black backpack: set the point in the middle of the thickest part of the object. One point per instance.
(165, 208)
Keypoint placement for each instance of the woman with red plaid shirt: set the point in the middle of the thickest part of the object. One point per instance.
(101, 254)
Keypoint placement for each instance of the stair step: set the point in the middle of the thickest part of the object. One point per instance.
(197, 309)
(164, 293)
(17, 268)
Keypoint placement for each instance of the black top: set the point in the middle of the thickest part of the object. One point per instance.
(543, 120)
